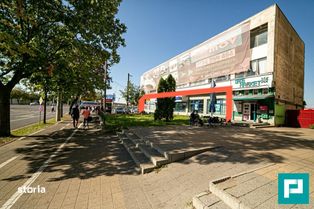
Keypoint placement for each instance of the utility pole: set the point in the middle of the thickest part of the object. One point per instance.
(127, 90)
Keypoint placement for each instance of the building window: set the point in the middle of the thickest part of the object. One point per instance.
(259, 36)
(236, 93)
(196, 83)
(196, 105)
(258, 66)
(255, 91)
(265, 91)
(239, 75)
(222, 78)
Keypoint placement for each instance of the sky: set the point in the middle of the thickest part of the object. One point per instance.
(161, 29)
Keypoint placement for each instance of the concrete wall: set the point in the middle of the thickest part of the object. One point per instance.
(289, 64)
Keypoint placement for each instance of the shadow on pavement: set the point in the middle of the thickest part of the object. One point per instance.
(230, 144)
(91, 153)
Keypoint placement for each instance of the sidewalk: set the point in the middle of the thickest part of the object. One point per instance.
(82, 175)
(93, 169)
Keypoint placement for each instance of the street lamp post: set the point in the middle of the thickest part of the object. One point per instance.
(127, 90)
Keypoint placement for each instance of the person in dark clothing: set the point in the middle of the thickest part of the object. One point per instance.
(198, 120)
(192, 118)
(195, 119)
(75, 114)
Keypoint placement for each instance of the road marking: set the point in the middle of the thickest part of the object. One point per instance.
(61, 128)
(8, 204)
(8, 161)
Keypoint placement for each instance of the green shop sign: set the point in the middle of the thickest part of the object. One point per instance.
(246, 83)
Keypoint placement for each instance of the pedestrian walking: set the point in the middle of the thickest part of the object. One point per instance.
(86, 115)
(75, 114)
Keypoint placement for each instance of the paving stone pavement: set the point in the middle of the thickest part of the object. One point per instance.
(93, 170)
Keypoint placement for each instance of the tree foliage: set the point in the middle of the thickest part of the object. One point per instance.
(67, 39)
(20, 94)
(165, 106)
(135, 93)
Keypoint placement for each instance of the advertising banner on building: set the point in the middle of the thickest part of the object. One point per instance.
(224, 54)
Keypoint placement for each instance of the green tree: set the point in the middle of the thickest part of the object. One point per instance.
(164, 106)
(18, 94)
(171, 86)
(76, 37)
(135, 93)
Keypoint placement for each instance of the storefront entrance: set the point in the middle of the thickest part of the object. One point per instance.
(249, 111)
(253, 111)
(246, 111)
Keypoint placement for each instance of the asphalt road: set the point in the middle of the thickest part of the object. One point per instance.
(23, 115)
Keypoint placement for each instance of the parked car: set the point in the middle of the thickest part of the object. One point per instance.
(120, 110)
(133, 110)
(34, 103)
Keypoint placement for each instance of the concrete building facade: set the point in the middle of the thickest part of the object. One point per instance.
(262, 58)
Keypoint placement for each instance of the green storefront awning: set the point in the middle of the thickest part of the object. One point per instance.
(251, 97)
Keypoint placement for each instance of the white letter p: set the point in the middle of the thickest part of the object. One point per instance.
(287, 190)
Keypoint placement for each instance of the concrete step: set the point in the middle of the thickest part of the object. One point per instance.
(170, 156)
(155, 157)
(144, 164)
(207, 200)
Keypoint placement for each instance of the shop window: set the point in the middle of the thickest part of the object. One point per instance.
(257, 66)
(259, 36)
(220, 106)
(180, 107)
(196, 105)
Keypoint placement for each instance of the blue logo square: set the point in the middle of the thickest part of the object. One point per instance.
(293, 188)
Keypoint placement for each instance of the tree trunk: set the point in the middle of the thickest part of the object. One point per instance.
(5, 112)
(61, 105)
(58, 115)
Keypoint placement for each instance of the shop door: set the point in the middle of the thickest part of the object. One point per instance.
(246, 111)
(253, 111)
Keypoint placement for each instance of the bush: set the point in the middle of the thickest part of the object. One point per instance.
(312, 126)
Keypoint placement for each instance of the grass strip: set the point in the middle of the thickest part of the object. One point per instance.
(27, 130)
(116, 122)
